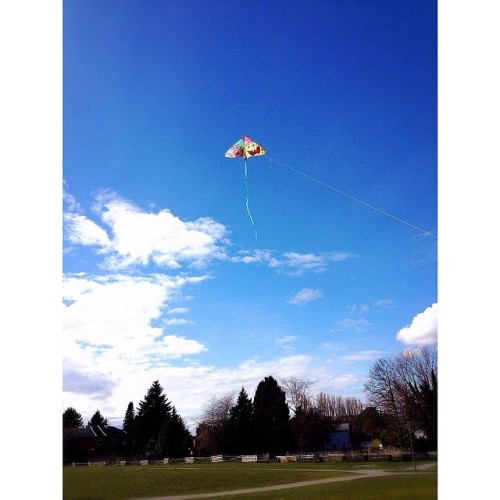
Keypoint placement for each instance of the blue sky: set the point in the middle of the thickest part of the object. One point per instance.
(163, 276)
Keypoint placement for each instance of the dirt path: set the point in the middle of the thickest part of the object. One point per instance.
(358, 474)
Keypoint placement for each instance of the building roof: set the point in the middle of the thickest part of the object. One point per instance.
(342, 427)
(93, 431)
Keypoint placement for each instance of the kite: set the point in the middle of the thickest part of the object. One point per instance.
(245, 148)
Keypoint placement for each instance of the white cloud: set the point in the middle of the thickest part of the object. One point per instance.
(265, 257)
(316, 262)
(291, 263)
(110, 317)
(70, 201)
(356, 325)
(385, 303)
(137, 237)
(362, 356)
(176, 321)
(178, 310)
(172, 346)
(286, 343)
(286, 340)
(82, 231)
(423, 328)
(354, 309)
(305, 295)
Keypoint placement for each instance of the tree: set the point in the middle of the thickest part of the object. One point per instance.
(417, 369)
(310, 428)
(98, 419)
(370, 424)
(211, 431)
(297, 392)
(241, 428)
(218, 408)
(129, 419)
(272, 424)
(129, 426)
(174, 440)
(72, 419)
(151, 415)
(384, 393)
(404, 389)
(315, 416)
(338, 409)
(421, 409)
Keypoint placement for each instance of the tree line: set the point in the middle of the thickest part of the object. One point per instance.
(286, 417)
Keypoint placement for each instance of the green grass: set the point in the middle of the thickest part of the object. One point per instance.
(418, 487)
(125, 482)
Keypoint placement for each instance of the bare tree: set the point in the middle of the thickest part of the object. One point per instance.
(353, 408)
(213, 422)
(297, 392)
(338, 408)
(404, 388)
(218, 409)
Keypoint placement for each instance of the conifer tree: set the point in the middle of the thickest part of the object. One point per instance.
(242, 425)
(72, 419)
(151, 415)
(272, 424)
(174, 439)
(128, 421)
(98, 419)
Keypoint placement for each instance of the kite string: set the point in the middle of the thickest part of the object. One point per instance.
(351, 197)
(246, 199)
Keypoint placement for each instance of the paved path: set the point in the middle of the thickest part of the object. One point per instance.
(358, 474)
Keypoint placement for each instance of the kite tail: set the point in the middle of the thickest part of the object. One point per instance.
(246, 200)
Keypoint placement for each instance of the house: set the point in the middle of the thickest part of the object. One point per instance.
(85, 443)
(339, 438)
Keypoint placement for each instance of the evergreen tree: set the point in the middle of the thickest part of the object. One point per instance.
(72, 419)
(129, 426)
(98, 419)
(151, 415)
(241, 425)
(272, 424)
(129, 419)
(175, 439)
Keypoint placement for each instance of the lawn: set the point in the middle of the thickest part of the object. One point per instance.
(126, 482)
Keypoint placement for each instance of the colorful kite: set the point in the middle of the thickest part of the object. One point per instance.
(245, 148)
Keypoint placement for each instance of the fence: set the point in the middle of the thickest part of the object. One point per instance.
(348, 456)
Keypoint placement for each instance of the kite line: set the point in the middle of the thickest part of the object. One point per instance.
(271, 160)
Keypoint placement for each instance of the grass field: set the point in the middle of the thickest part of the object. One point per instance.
(126, 482)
